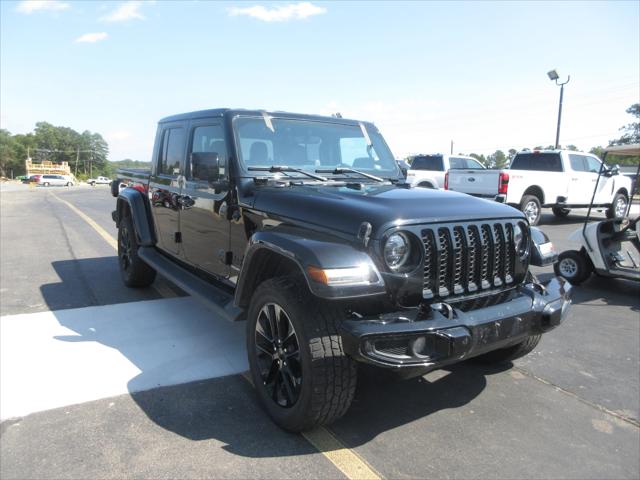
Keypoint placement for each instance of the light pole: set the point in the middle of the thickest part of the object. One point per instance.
(553, 75)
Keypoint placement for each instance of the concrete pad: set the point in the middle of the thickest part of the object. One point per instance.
(52, 359)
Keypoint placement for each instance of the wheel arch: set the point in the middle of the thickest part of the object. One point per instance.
(536, 191)
(132, 202)
(290, 250)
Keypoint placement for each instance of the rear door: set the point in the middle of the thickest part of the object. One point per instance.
(204, 199)
(583, 180)
(165, 185)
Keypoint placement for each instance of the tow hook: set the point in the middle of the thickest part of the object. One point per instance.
(445, 309)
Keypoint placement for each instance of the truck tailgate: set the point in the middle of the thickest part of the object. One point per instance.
(474, 182)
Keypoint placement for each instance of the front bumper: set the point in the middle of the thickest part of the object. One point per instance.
(445, 334)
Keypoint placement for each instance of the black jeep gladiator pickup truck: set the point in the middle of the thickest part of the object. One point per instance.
(304, 227)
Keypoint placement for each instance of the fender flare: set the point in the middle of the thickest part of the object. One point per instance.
(305, 250)
(140, 212)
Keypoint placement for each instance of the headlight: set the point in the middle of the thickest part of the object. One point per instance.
(520, 240)
(397, 250)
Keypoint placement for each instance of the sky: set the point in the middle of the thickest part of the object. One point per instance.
(426, 73)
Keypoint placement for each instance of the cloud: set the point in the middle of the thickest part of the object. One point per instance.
(125, 12)
(92, 37)
(30, 6)
(283, 13)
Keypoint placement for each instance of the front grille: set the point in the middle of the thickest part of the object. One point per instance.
(463, 260)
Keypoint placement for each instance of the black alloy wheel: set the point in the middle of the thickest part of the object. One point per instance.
(278, 354)
(124, 250)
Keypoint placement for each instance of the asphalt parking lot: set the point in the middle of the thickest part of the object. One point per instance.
(98, 380)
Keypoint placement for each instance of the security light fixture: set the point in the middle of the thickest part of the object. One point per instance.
(553, 75)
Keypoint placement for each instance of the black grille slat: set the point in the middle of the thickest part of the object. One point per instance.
(429, 267)
(444, 261)
(466, 259)
(498, 255)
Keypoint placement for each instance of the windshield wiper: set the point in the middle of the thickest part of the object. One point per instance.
(341, 170)
(285, 168)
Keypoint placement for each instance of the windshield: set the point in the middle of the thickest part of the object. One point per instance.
(309, 145)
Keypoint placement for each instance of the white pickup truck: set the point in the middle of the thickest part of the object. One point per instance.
(99, 181)
(429, 170)
(560, 179)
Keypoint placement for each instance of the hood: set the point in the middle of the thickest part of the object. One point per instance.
(344, 209)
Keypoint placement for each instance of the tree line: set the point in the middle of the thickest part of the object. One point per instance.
(86, 152)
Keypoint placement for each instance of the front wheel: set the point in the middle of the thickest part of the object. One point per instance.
(574, 266)
(93, 184)
(298, 366)
(134, 272)
(530, 206)
(504, 355)
(618, 207)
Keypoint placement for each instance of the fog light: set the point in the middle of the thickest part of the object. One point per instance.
(417, 346)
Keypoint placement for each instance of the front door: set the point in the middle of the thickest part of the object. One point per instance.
(165, 187)
(204, 217)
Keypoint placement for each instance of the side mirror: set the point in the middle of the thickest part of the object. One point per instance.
(205, 166)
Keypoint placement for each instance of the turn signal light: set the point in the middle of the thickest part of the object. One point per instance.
(446, 181)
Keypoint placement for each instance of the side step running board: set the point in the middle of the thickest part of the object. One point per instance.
(214, 298)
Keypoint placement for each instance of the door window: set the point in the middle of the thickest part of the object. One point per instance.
(593, 165)
(172, 152)
(577, 163)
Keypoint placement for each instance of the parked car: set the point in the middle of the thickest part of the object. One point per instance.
(31, 179)
(55, 180)
(429, 170)
(99, 181)
(560, 179)
(303, 226)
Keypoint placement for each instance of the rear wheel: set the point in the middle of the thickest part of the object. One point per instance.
(134, 272)
(93, 184)
(504, 355)
(618, 207)
(574, 266)
(561, 212)
(298, 366)
(46, 184)
(530, 206)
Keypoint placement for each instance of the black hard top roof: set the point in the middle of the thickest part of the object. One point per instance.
(218, 112)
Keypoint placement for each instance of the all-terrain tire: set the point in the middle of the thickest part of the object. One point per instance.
(504, 355)
(134, 272)
(574, 266)
(561, 212)
(327, 375)
(530, 206)
(616, 209)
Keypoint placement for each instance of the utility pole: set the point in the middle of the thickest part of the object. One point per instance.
(451, 147)
(77, 158)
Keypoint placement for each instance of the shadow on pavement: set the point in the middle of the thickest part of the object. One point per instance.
(611, 291)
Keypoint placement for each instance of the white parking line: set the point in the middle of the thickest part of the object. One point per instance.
(64, 357)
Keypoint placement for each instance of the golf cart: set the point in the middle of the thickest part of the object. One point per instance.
(610, 248)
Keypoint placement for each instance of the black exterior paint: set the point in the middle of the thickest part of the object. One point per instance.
(224, 227)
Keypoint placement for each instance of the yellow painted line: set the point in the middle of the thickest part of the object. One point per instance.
(162, 289)
(101, 231)
(346, 460)
(343, 458)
